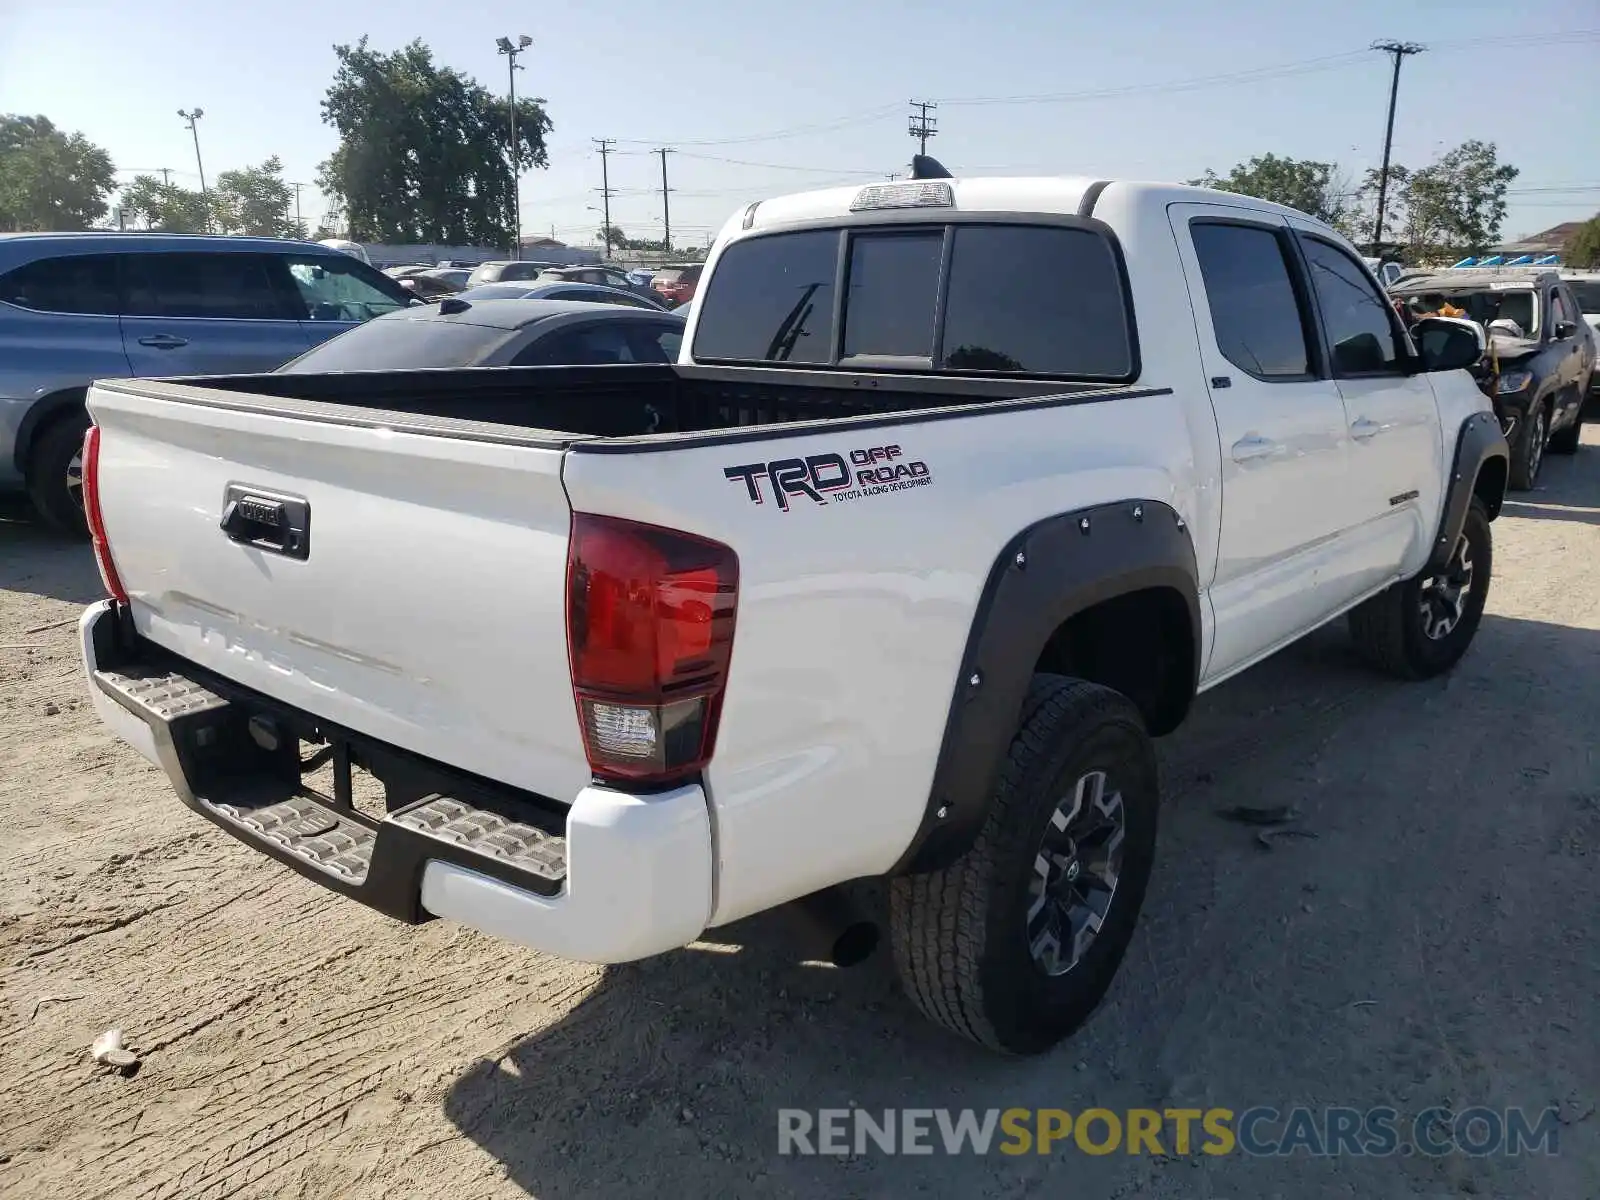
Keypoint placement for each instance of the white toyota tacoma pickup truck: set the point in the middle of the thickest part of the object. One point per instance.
(960, 492)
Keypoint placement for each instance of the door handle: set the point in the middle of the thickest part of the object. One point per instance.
(1253, 446)
(1364, 430)
(163, 341)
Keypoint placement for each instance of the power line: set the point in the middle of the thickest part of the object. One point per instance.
(882, 112)
(1399, 51)
(744, 162)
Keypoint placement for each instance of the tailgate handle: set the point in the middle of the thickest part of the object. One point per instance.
(268, 521)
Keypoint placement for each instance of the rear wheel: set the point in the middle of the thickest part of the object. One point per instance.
(1014, 944)
(1566, 442)
(1422, 626)
(1528, 454)
(55, 475)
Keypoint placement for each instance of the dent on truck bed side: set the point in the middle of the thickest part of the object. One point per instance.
(1050, 572)
(1478, 469)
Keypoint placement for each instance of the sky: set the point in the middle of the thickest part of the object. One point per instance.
(763, 99)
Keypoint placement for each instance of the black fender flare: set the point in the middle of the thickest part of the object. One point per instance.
(1477, 444)
(45, 410)
(1049, 572)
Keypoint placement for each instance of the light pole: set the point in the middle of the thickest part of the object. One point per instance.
(191, 117)
(505, 47)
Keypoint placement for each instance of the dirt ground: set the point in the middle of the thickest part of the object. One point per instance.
(1434, 944)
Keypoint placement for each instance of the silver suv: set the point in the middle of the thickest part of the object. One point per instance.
(76, 307)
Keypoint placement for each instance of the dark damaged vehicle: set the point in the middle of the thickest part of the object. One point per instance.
(1541, 351)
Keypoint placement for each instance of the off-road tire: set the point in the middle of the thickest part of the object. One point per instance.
(52, 453)
(1388, 629)
(1527, 451)
(959, 934)
(1566, 442)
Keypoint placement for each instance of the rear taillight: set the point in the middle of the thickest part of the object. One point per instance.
(650, 617)
(91, 512)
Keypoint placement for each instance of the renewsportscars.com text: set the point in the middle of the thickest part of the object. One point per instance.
(1258, 1132)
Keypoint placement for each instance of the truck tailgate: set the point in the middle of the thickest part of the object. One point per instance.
(427, 610)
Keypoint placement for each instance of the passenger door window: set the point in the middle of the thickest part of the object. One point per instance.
(219, 286)
(1360, 323)
(1256, 312)
(85, 284)
(335, 287)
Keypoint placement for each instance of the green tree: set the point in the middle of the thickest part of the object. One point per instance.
(423, 150)
(49, 179)
(1583, 247)
(1316, 188)
(1454, 206)
(166, 207)
(256, 200)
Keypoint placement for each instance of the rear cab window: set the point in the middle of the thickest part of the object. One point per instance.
(954, 297)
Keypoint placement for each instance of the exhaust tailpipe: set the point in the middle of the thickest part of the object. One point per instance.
(835, 930)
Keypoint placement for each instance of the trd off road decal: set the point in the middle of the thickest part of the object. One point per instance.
(831, 478)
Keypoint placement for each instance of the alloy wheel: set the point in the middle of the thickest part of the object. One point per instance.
(1443, 597)
(1075, 874)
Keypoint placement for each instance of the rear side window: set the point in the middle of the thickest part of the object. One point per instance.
(74, 284)
(772, 300)
(1254, 310)
(1036, 299)
(1588, 294)
(234, 286)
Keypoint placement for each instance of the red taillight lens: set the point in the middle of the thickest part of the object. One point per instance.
(91, 511)
(650, 616)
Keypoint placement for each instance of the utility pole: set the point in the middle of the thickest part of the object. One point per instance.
(1399, 51)
(666, 210)
(604, 146)
(192, 117)
(504, 46)
(165, 177)
(298, 223)
(923, 126)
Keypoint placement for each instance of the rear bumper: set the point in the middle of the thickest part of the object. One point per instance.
(613, 878)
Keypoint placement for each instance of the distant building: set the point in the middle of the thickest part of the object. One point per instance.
(1550, 241)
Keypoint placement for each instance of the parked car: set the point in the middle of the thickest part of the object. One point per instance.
(507, 271)
(677, 284)
(405, 270)
(1388, 272)
(76, 307)
(354, 249)
(499, 333)
(641, 276)
(897, 588)
(456, 277)
(426, 285)
(610, 277)
(1585, 287)
(544, 289)
(1542, 349)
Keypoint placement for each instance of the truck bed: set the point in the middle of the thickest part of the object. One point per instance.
(563, 405)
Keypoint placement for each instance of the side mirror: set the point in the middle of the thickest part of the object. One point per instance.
(1564, 330)
(1449, 343)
